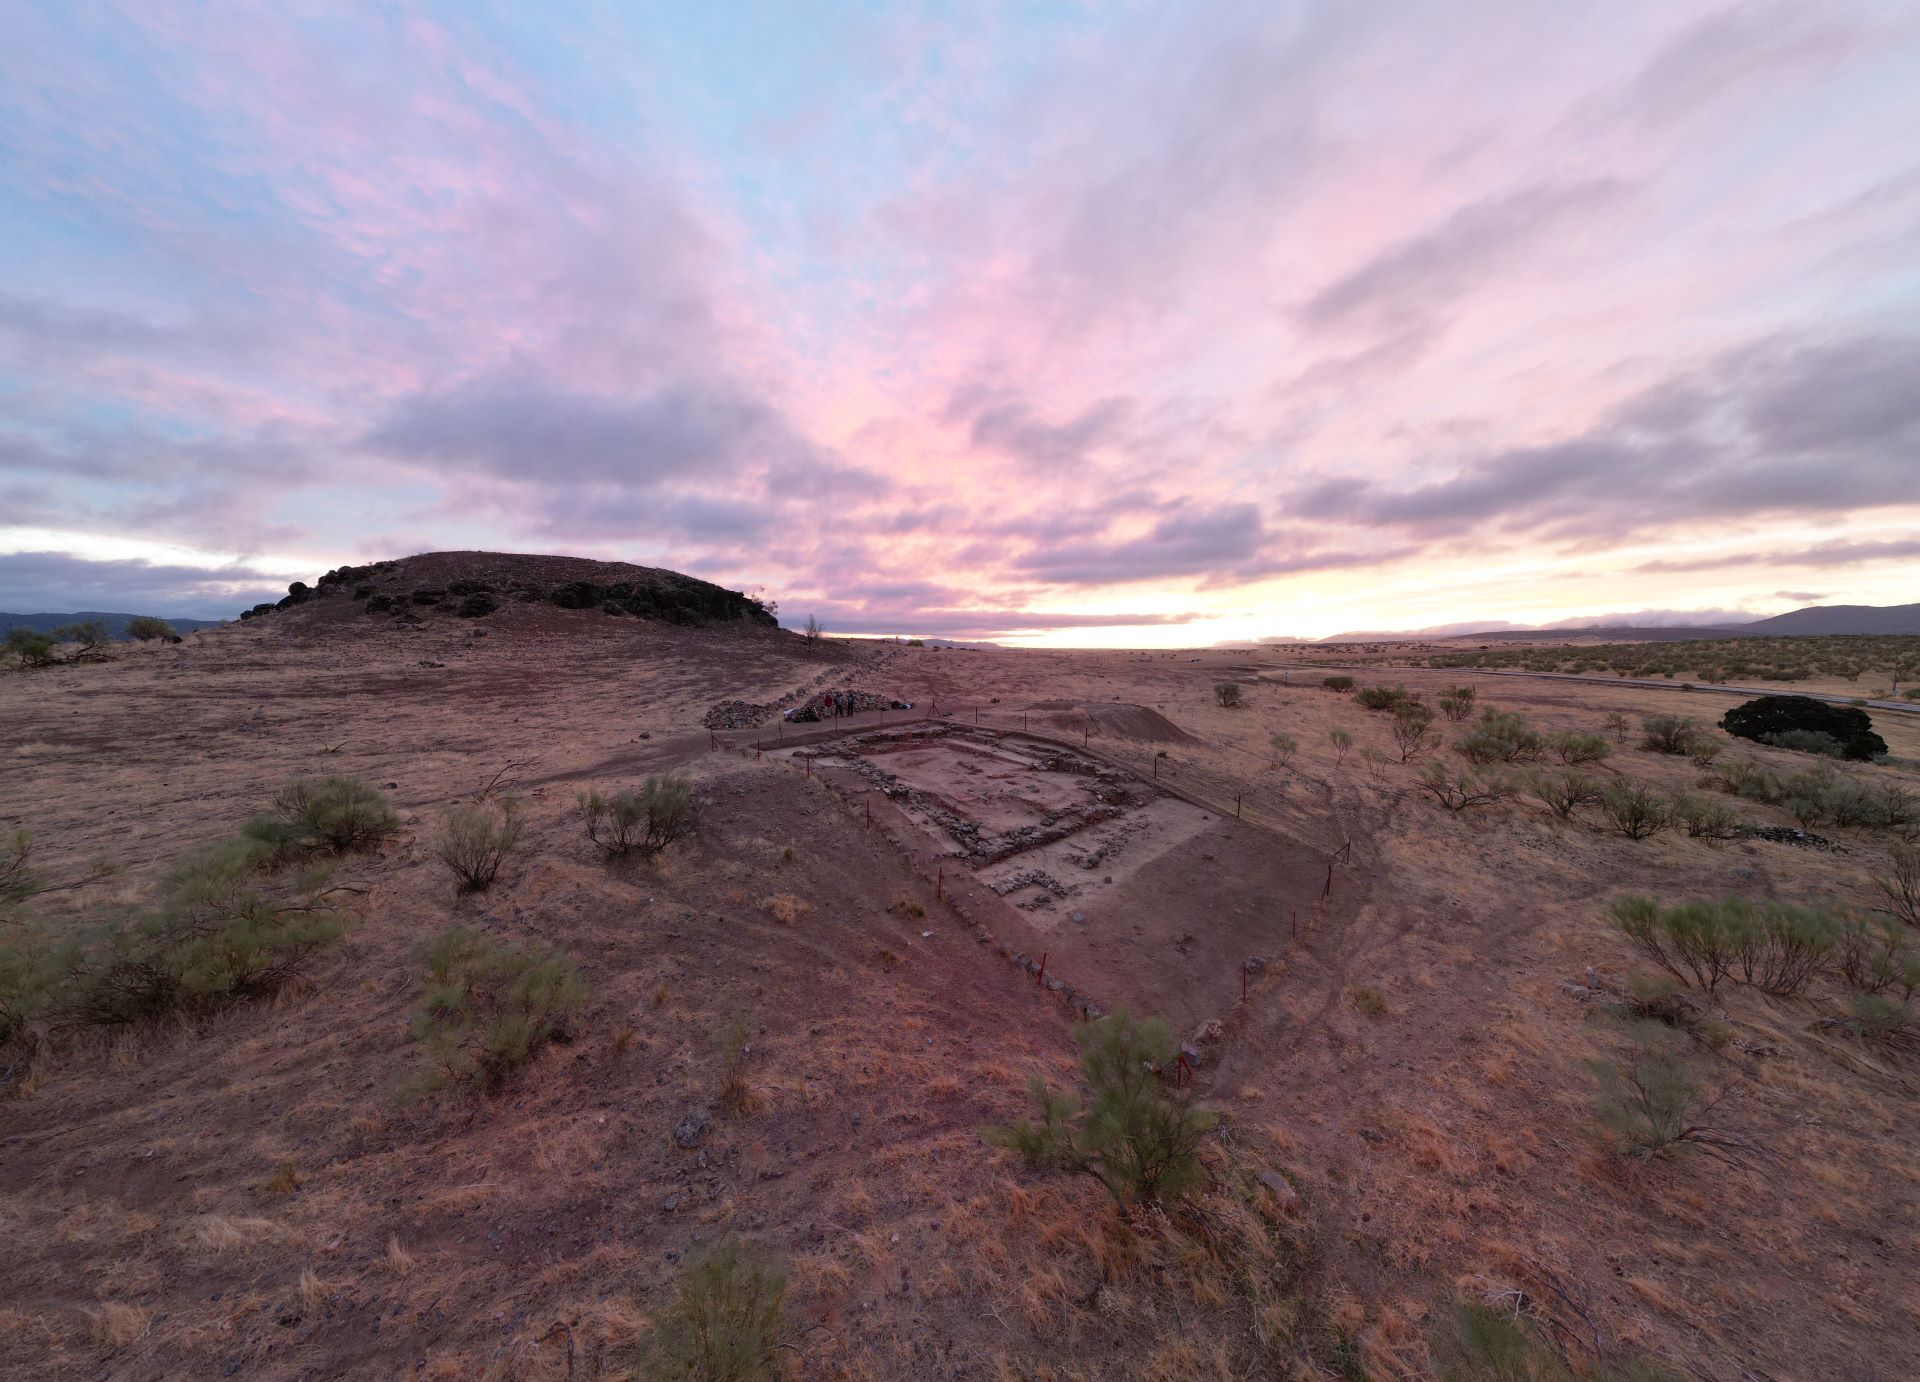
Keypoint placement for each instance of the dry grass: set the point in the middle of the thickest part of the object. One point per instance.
(786, 909)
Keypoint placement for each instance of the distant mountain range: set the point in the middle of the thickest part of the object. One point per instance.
(116, 623)
(1813, 620)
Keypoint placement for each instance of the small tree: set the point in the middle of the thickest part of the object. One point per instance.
(1473, 787)
(1617, 726)
(1706, 819)
(1342, 745)
(33, 648)
(489, 1006)
(1500, 736)
(1766, 715)
(1227, 694)
(1575, 749)
(1284, 747)
(1412, 730)
(646, 820)
(813, 630)
(1137, 1138)
(91, 634)
(1337, 683)
(476, 839)
(726, 1320)
(145, 628)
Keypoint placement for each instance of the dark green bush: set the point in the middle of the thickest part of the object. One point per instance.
(726, 1319)
(1337, 683)
(324, 814)
(644, 820)
(489, 1006)
(1139, 1139)
(1851, 726)
(91, 634)
(1228, 694)
(1805, 741)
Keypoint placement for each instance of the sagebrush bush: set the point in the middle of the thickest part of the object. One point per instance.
(726, 1319)
(1563, 791)
(218, 933)
(1575, 749)
(1136, 1137)
(1342, 743)
(1806, 741)
(1228, 694)
(1671, 734)
(1380, 697)
(643, 820)
(488, 1006)
(1635, 809)
(1412, 729)
(32, 972)
(324, 814)
(1284, 747)
(1477, 1342)
(1617, 726)
(476, 839)
(1457, 703)
(1899, 885)
(1774, 946)
(1501, 736)
(18, 881)
(1472, 787)
(1337, 683)
(1876, 954)
(1653, 1103)
(1705, 819)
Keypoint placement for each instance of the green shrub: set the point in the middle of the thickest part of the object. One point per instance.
(1476, 1342)
(1852, 727)
(1457, 703)
(1899, 886)
(32, 972)
(726, 1319)
(476, 839)
(1705, 819)
(144, 628)
(1775, 947)
(18, 881)
(1634, 809)
(1380, 697)
(218, 934)
(1653, 1104)
(1501, 736)
(1228, 694)
(1805, 741)
(1284, 747)
(1875, 1017)
(1137, 1138)
(1563, 791)
(34, 649)
(90, 634)
(733, 1042)
(1617, 726)
(644, 820)
(1472, 787)
(324, 814)
(1671, 734)
(1875, 954)
(1337, 683)
(489, 1006)
(1575, 749)
(1342, 743)
(1412, 729)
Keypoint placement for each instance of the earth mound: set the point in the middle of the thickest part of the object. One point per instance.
(1114, 719)
(472, 585)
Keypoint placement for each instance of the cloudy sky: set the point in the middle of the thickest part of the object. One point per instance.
(1082, 323)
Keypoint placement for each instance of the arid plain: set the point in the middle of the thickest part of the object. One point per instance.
(1396, 1007)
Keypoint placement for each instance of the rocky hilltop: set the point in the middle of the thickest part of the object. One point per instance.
(473, 585)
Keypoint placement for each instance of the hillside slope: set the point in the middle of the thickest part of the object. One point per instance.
(1817, 619)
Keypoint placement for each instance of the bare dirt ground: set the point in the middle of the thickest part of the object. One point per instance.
(1408, 1056)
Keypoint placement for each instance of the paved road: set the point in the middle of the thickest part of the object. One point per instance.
(1661, 684)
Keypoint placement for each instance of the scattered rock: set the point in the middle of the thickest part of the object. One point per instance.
(691, 1131)
(1280, 1188)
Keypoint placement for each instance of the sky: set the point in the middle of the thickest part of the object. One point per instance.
(1078, 323)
